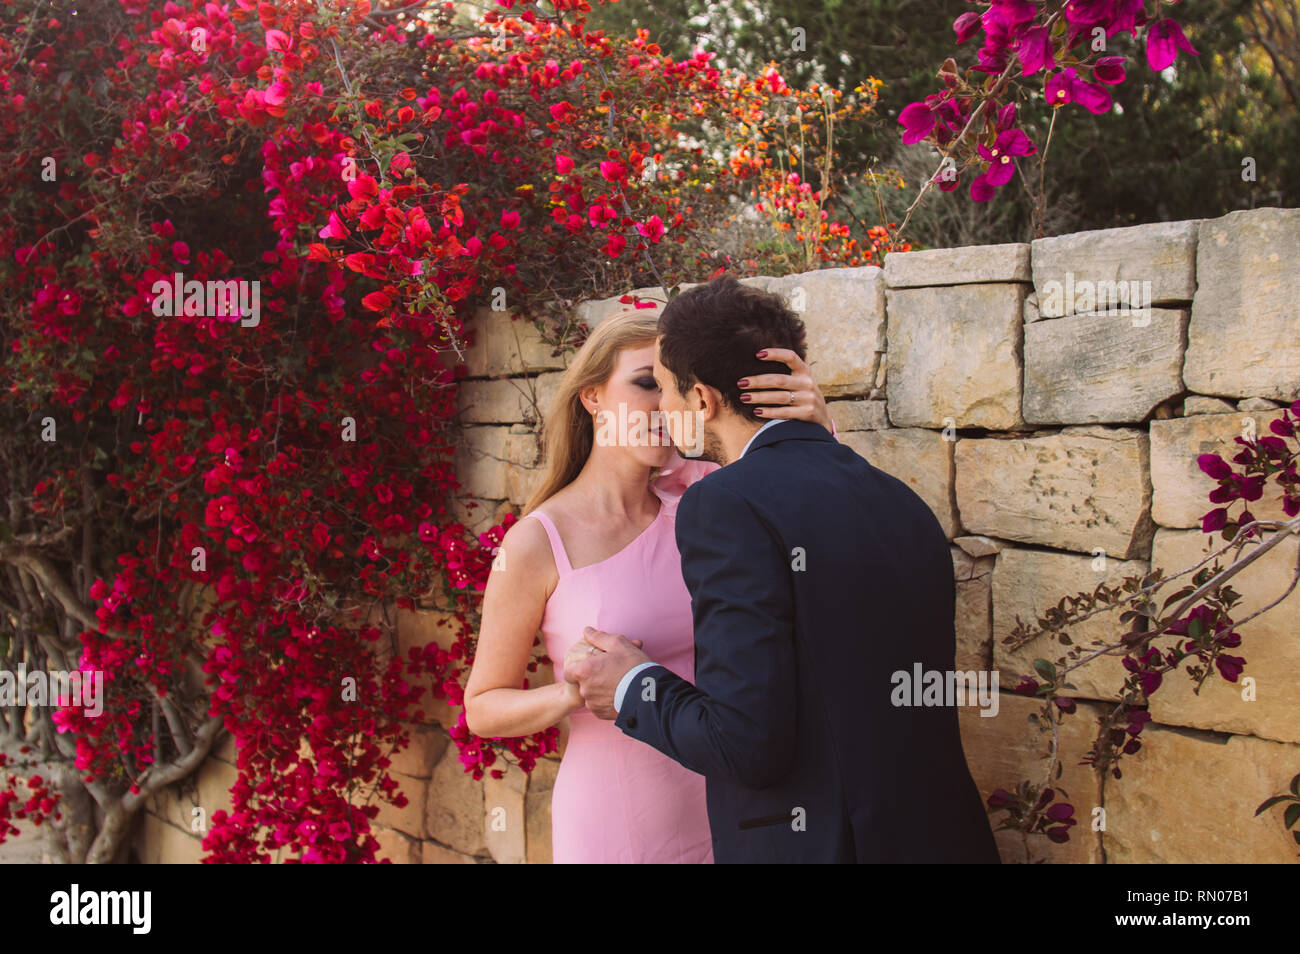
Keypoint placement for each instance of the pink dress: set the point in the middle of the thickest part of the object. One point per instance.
(617, 800)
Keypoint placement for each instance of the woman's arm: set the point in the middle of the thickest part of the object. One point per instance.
(771, 391)
(514, 603)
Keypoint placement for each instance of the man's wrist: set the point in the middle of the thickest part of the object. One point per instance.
(626, 681)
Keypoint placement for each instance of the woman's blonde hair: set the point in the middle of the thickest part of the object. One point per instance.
(568, 430)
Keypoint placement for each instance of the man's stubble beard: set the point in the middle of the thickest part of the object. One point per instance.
(713, 450)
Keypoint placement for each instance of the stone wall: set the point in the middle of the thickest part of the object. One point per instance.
(1054, 438)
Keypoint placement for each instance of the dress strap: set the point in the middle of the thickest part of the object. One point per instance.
(557, 545)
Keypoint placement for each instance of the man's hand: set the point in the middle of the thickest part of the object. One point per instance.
(599, 673)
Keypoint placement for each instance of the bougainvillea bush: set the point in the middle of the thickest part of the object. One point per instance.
(240, 249)
(1050, 55)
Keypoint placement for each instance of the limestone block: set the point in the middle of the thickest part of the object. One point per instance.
(1151, 264)
(978, 546)
(1098, 367)
(398, 847)
(537, 807)
(967, 265)
(1242, 339)
(418, 759)
(476, 514)
(408, 819)
(544, 391)
(594, 312)
(496, 401)
(517, 400)
(1270, 644)
(1031, 311)
(454, 809)
(1257, 404)
(955, 356)
(214, 780)
(921, 459)
(858, 415)
(485, 455)
(843, 311)
(504, 345)
(503, 820)
(161, 843)
(1083, 488)
(1191, 799)
(1026, 583)
(432, 853)
(972, 617)
(1200, 404)
(1180, 489)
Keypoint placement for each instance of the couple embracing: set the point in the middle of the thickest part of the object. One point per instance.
(725, 619)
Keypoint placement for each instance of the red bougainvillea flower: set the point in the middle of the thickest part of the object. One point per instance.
(563, 165)
(278, 40)
(917, 120)
(1065, 87)
(1109, 70)
(1230, 667)
(335, 229)
(1010, 143)
(1035, 51)
(652, 228)
(1000, 798)
(1164, 40)
(966, 26)
(1214, 520)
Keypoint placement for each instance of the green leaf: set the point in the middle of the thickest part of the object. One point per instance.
(1270, 802)
(1295, 785)
(1292, 815)
(1045, 669)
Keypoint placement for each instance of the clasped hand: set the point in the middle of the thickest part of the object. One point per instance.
(597, 663)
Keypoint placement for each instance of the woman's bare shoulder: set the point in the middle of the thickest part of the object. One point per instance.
(527, 546)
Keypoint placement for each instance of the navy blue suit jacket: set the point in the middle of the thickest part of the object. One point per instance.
(814, 576)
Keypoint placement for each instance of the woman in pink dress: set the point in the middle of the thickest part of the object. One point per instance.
(603, 553)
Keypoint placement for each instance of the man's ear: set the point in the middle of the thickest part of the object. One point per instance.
(706, 400)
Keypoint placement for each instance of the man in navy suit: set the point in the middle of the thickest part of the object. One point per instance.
(815, 579)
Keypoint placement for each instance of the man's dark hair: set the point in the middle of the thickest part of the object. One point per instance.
(711, 333)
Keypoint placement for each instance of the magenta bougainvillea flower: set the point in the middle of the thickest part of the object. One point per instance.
(1164, 41)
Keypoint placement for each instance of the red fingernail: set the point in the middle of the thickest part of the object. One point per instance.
(743, 383)
(758, 410)
(763, 353)
(745, 397)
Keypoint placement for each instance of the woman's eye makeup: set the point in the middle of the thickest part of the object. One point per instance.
(647, 383)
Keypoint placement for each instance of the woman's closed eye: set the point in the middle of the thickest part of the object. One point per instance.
(647, 383)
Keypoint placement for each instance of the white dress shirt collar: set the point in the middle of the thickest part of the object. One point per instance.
(775, 420)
